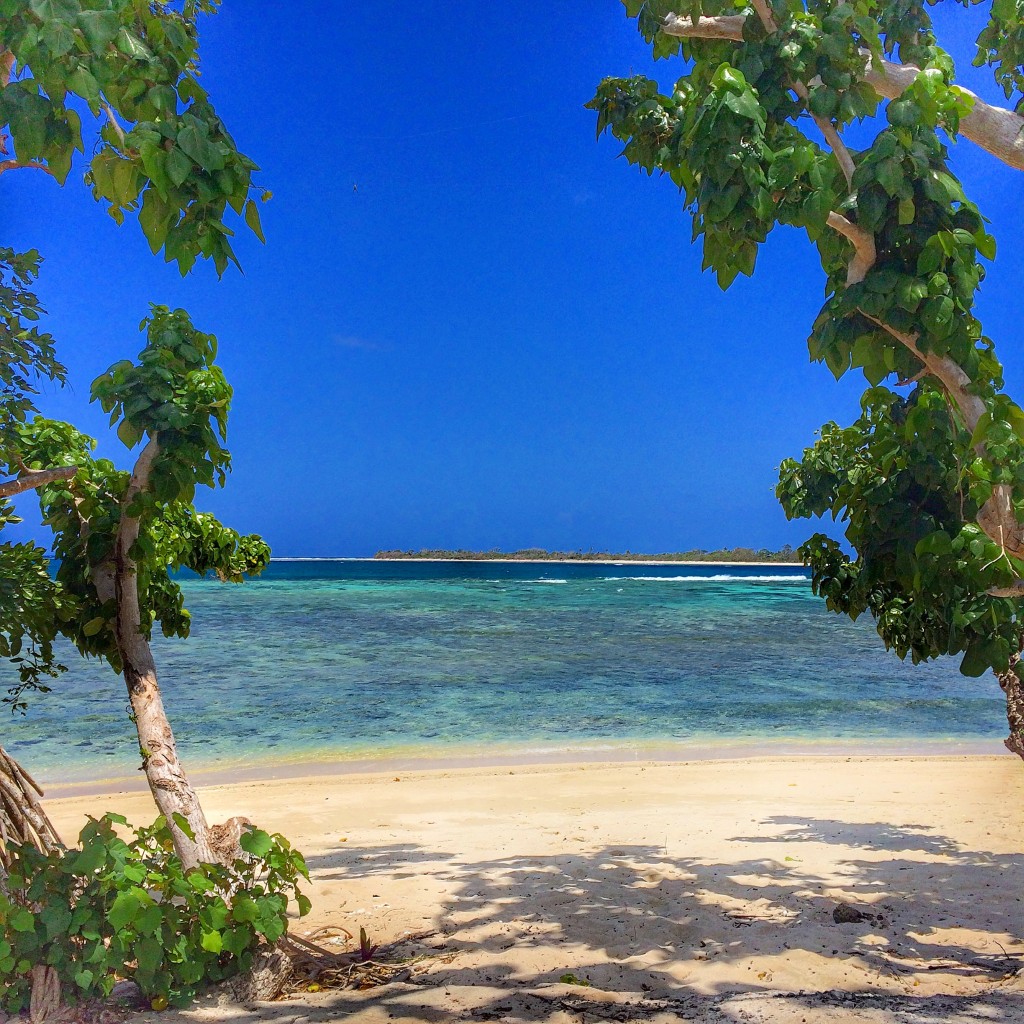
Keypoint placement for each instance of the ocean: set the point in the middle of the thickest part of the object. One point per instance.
(367, 662)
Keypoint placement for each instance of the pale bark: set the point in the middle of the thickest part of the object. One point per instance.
(1011, 685)
(167, 780)
(33, 478)
(995, 129)
(864, 247)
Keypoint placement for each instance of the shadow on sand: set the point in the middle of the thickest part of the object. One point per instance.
(635, 920)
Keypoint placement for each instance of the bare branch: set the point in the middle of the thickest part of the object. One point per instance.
(116, 124)
(863, 243)
(764, 12)
(724, 27)
(142, 470)
(995, 129)
(15, 165)
(997, 517)
(33, 478)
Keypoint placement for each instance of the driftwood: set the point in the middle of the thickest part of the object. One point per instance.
(22, 818)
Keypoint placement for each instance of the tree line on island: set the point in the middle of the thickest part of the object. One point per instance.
(786, 555)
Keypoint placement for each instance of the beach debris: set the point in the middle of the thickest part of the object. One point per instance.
(22, 818)
(844, 913)
(367, 966)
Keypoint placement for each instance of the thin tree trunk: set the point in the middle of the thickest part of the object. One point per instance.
(167, 780)
(1014, 690)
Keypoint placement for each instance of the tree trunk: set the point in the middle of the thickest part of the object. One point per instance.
(168, 783)
(167, 780)
(1014, 690)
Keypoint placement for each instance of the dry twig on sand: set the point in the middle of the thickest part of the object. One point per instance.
(314, 967)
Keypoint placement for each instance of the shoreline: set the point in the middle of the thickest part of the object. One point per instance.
(538, 757)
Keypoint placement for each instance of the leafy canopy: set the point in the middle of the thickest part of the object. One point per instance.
(175, 395)
(155, 144)
(741, 135)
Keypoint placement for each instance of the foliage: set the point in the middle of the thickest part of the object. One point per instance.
(158, 146)
(125, 908)
(176, 393)
(26, 353)
(28, 597)
(738, 135)
(923, 565)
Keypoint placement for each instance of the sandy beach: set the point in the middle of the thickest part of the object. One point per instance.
(696, 891)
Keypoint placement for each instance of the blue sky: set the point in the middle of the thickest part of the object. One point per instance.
(471, 324)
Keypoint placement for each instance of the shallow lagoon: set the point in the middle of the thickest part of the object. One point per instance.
(360, 660)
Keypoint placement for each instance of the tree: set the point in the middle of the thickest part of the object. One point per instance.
(930, 479)
(160, 151)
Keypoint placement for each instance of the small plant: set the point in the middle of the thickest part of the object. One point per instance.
(570, 979)
(115, 909)
(366, 950)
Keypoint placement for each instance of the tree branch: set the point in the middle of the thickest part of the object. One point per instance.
(728, 26)
(997, 517)
(116, 124)
(864, 245)
(142, 471)
(995, 129)
(33, 478)
(14, 165)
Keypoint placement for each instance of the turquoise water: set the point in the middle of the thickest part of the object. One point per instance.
(363, 660)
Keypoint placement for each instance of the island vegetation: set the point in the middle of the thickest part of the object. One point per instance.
(784, 556)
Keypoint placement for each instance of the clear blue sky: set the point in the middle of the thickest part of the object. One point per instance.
(471, 325)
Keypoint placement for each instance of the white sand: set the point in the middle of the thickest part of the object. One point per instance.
(695, 890)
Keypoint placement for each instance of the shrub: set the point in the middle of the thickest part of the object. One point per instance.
(116, 908)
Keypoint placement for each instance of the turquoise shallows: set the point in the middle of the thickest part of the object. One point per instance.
(360, 659)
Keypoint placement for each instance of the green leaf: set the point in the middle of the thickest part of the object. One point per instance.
(93, 626)
(982, 656)
(179, 166)
(212, 942)
(123, 910)
(195, 143)
(49, 10)
(99, 28)
(59, 37)
(182, 822)
(256, 842)
(244, 909)
(129, 434)
(744, 104)
(252, 219)
(890, 176)
(21, 920)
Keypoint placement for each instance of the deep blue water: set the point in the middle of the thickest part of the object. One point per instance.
(362, 660)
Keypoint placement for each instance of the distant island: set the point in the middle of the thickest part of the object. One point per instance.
(734, 555)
